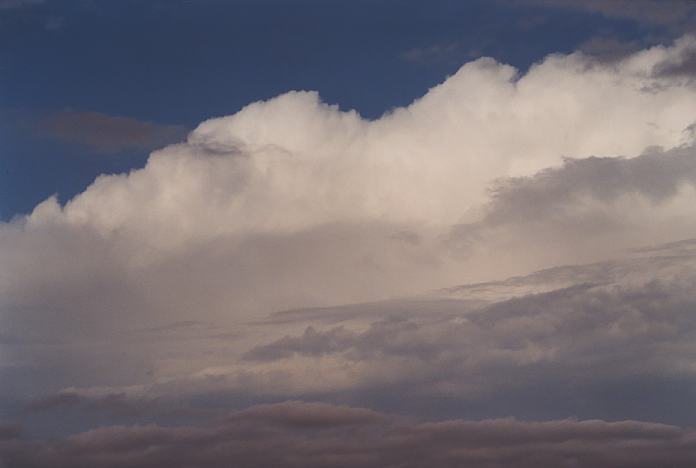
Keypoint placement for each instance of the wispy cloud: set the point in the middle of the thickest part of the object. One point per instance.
(677, 14)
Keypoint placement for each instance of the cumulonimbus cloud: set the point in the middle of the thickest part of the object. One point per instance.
(293, 162)
(293, 203)
(292, 174)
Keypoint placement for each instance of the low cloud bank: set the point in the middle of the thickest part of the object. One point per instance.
(296, 434)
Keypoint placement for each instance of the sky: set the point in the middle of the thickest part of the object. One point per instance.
(347, 233)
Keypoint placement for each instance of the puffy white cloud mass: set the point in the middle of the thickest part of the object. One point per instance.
(328, 207)
(154, 291)
(294, 163)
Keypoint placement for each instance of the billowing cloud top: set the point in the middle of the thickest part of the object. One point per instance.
(294, 163)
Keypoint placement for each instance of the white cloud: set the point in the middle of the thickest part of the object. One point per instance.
(293, 162)
(293, 203)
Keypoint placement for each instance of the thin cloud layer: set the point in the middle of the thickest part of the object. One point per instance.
(679, 14)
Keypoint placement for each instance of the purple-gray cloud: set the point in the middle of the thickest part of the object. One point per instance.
(9, 431)
(107, 133)
(315, 435)
(113, 404)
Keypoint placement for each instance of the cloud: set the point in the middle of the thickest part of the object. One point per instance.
(678, 14)
(107, 133)
(656, 176)
(9, 431)
(293, 162)
(683, 65)
(579, 336)
(114, 404)
(296, 434)
(634, 320)
(595, 203)
(452, 52)
(12, 4)
(157, 285)
(608, 49)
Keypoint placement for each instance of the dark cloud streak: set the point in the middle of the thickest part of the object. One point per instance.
(107, 133)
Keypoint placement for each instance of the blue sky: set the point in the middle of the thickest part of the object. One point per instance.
(181, 62)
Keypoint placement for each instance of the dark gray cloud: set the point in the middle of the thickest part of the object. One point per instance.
(296, 434)
(107, 133)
